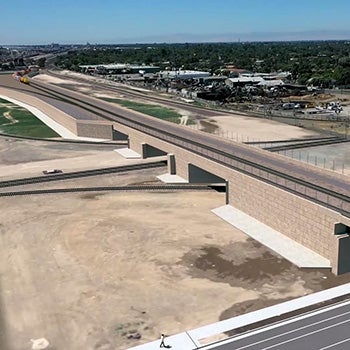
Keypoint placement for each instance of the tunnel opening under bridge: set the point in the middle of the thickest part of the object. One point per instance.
(149, 151)
(199, 175)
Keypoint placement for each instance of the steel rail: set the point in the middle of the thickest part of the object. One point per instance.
(294, 140)
(127, 121)
(248, 162)
(153, 188)
(79, 174)
(305, 145)
(82, 142)
(149, 95)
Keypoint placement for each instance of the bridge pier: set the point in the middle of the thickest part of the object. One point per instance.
(342, 250)
(171, 164)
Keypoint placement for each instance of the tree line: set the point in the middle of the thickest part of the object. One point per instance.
(320, 63)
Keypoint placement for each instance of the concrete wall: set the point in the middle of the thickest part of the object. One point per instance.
(310, 224)
(63, 119)
(85, 128)
(304, 221)
(95, 129)
(54, 113)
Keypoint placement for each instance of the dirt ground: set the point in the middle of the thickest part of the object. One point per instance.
(237, 127)
(89, 270)
(95, 270)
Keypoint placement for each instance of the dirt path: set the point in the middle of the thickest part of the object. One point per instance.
(9, 117)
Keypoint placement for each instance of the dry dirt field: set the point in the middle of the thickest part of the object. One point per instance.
(87, 270)
(238, 127)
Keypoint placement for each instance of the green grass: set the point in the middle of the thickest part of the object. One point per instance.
(149, 109)
(3, 120)
(27, 125)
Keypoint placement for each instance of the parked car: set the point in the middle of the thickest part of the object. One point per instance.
(52, 171)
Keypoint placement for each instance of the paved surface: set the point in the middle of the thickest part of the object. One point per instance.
(324, 329)
(198, 338)
(128, 153)
(281, 244)
(168, 178)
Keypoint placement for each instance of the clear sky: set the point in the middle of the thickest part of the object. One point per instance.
(131, 21)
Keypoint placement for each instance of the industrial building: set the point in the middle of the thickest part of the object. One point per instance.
(118, 68)
(183, 74)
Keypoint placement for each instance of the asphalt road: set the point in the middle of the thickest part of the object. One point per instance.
(328, 328)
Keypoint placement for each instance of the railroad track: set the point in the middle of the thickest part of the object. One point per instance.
(329, 191)
(82, 142)
(332, 199)
(306, 144)
(146, 188)
(290, 141)
(126, 91)
(79, 174)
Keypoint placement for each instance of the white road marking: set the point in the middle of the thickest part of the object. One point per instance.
(255, 316)
(295, 330)
(306, 335)
(335, 344)
(276, 325)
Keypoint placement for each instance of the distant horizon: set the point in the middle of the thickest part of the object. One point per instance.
(158, 21)
(242, 38)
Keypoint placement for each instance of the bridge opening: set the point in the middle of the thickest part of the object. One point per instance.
(149, 151)
(199, 175)
(341, 229)
(343, 233)
(119, 136)
(217, 183)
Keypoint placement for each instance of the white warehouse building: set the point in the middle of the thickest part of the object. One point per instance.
(183, 74)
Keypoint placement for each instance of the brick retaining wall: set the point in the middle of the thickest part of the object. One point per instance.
(304, 221)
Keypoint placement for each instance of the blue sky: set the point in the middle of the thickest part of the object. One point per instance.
(130, 21)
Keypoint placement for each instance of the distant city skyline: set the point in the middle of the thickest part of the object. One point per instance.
(151, 21)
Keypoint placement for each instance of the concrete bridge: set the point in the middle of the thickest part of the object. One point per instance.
(307, 204)
(316, 226)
